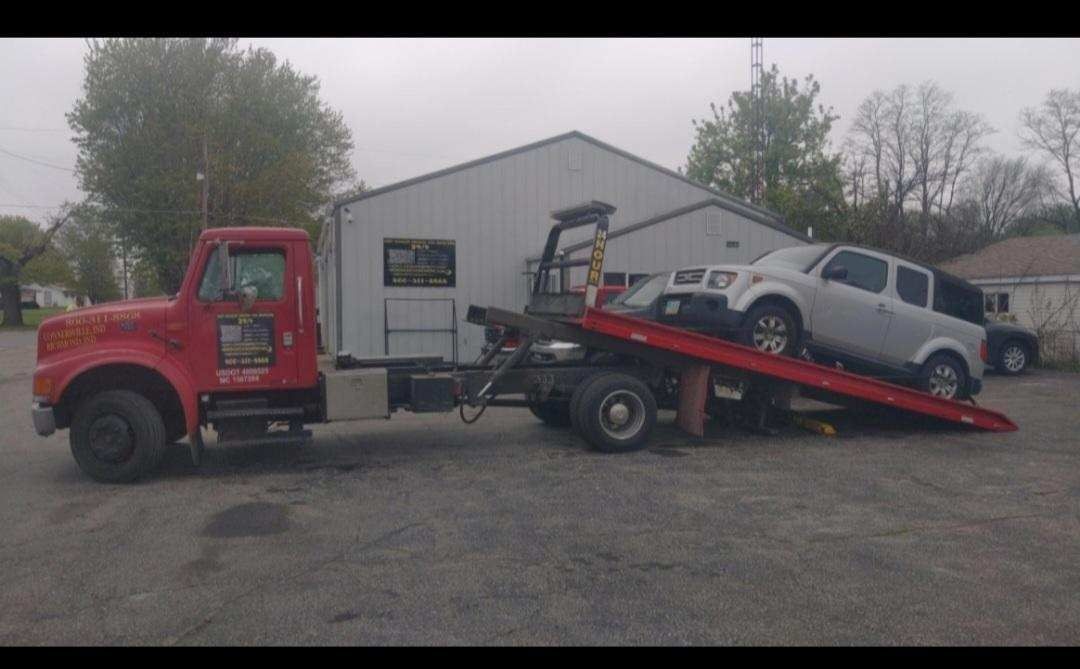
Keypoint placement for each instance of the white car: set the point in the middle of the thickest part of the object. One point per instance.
(871, 311)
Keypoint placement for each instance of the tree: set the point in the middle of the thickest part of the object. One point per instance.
(908, 153)
(1003, 191)
(155, 112)
(1054, 130)
(87, 243)
(26, 256)
(802, 178)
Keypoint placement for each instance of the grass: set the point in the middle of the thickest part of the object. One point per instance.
(32, 318)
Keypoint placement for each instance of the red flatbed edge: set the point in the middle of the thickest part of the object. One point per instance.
(791, 369)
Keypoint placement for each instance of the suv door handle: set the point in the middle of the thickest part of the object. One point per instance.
(882, 309)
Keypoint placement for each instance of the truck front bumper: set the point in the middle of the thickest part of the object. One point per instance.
(44, 419)
(700, 311)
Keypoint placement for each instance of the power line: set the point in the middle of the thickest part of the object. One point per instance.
(17, 129)
(35, 161)
(184, 212)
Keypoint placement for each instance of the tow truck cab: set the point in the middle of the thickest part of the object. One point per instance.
(235, 346)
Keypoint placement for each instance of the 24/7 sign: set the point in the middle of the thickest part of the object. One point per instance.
(429, 263)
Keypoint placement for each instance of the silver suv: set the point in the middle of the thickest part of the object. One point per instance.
(867, 310)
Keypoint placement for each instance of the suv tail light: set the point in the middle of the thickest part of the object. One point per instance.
(984, 352)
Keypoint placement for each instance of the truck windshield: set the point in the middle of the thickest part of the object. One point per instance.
(642, 293)
(798, 258)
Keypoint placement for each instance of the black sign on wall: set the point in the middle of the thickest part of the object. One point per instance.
(430, 263)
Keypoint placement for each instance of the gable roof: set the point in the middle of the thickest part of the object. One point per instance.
(1050, 255)
(724, 199)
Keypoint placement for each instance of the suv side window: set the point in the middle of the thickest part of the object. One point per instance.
(863, 271)
(912, 286)
(262, 268)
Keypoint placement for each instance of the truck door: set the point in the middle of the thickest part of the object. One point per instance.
(236, 346)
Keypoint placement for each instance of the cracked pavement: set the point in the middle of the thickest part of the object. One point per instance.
(421, 530)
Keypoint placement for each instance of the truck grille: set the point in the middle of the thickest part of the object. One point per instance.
(689, 276)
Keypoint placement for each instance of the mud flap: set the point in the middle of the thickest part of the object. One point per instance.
(195, 444)
(693, 391)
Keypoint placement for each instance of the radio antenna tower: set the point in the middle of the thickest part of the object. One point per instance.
(757, 102)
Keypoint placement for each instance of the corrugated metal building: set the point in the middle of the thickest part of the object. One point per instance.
(399, 265)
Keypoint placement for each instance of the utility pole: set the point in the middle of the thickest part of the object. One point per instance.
(757, 102)
(205, 184)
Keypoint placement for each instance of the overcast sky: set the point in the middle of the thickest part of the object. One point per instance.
(419, 105)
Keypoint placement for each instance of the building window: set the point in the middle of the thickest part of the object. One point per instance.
(997, 303)
(714, 223)
(614, 278)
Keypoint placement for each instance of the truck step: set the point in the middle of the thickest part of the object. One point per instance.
(289, 437)
(270, 413)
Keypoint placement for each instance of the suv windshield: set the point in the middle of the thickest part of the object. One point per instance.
(642, 293)
(798, 258)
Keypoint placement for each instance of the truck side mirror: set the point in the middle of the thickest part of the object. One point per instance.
(248, 295)
(835, 273)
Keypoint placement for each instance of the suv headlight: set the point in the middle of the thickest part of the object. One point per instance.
(720, 280)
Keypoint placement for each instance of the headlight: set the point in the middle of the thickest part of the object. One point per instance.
(720, 280)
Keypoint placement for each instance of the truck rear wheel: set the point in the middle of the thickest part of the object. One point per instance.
(616, 413)
(117, 436)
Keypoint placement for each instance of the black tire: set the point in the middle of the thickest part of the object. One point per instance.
(1013, 358)
(942, 371)
(575, 401)
(555, 413)
(767, 325)
(612, 429)
(117, 436)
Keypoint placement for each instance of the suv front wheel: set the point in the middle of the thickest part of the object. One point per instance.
(771, 329)
(943, 376)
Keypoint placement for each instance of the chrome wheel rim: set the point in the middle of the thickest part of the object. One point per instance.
(944, 382)
(770, 334)
(622, 414)
(1014, 358)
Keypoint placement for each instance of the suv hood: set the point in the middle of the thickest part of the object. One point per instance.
(125, 323)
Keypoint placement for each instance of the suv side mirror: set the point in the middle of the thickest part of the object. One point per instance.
(835, 273)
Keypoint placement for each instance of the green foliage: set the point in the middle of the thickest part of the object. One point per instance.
(802, 177)
(26, 256)
(151, 107)
(87, 244)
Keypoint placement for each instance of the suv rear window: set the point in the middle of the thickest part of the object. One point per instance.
(955, 299)
(862, 271)
(912, 286)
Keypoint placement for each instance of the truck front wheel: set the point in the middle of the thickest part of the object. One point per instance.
(117, 436)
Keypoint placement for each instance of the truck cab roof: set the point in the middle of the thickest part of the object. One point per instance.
(254, 234)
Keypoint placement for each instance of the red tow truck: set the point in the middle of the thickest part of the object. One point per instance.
(235, 350)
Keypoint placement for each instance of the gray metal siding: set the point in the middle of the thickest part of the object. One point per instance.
(498, 214)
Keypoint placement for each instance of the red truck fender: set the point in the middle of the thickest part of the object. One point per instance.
(173, 374)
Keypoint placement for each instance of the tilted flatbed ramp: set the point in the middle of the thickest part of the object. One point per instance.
(798, 371)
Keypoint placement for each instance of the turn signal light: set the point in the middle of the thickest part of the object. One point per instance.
(43, 386)
(984, 352)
